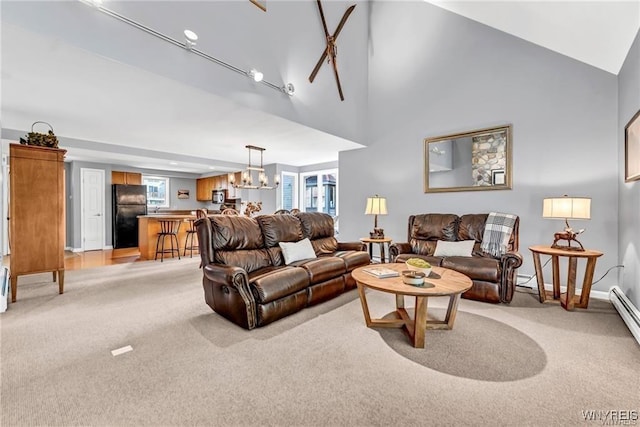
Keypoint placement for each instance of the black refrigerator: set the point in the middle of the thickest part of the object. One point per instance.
(129, 201)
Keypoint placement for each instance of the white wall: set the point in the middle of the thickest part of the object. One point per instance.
(629, 204)
(465, 76)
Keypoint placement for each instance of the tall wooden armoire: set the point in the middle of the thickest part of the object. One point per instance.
(36, 213)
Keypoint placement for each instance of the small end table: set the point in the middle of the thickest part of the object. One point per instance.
(380, 242)
(569, 300)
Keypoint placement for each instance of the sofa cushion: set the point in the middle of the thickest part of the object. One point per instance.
(249, 260)
(238, 241)
(433, 227)
(316, 225)
(279, 228)
(296, 251)
(353, 259)
(323, 268)
(232, 232)
(426, 229)
(271, 283)
(461, 248)
(477, 268)
(471, 227)
(325, 245)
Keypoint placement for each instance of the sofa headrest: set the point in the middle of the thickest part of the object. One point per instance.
(280, 228)
(316, 225)
(433, 227)
(232, 232)
(471, 227)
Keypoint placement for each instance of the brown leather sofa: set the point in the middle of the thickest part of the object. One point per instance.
(245, 276)
(493, 278)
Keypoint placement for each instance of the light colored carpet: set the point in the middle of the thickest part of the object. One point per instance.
(518, 364)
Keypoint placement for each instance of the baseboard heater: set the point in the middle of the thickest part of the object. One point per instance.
(627, 310)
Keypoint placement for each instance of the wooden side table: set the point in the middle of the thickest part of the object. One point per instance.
(569, 300)
(380, 242)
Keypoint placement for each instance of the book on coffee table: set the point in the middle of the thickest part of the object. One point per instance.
(381, 272)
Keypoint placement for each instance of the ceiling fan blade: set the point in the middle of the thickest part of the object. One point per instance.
(343, 20)
(335, 72)
(324, 22)
(313, 74)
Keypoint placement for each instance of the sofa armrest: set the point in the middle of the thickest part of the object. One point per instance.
(396, 249)
(352, 246)
(509, 263)
(230, 279)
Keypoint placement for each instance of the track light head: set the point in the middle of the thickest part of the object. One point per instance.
(190, 39)
(256, 75)
(288, 89)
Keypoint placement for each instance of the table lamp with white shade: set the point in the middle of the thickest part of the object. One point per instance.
(567, 208)
(376, 205)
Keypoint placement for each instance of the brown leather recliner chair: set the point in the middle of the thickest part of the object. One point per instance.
(493, 278)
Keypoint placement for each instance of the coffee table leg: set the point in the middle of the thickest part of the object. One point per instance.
(365, 306)
(399, 301)
(452, 310)
(420, 322)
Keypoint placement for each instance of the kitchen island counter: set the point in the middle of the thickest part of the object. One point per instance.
(149, 227)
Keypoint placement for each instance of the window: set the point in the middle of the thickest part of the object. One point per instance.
(319, 192)
(157, 191)
(289, 190)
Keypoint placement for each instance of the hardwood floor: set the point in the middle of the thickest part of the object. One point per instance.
(91, 259)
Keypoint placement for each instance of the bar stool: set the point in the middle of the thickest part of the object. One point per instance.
(191, 232)
(168, 228)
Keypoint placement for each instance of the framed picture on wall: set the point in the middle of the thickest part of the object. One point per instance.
(632, 149)
(183, 194)
(497, 177)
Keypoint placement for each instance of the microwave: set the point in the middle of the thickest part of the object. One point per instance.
(218, 196)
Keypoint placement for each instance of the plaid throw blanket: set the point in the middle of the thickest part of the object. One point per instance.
(497, 231)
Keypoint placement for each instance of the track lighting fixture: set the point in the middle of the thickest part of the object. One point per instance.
(256, 75)
(190, 39)
(289, 89)
(190, 42)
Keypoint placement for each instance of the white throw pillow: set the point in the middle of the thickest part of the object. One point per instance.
(462, 248)
(295, 251)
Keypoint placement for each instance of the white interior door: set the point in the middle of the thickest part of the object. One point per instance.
(93, 219)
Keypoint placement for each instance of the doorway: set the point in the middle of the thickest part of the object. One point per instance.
(92, 190)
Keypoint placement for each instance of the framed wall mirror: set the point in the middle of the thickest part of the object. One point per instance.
(469, 161)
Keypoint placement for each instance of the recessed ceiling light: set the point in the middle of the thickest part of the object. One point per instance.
(173, 163)
(212, 167)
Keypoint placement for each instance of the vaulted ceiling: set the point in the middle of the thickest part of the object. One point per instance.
(120, 103)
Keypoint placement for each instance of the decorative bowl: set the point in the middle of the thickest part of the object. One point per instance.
(412, 277)
(426, 271)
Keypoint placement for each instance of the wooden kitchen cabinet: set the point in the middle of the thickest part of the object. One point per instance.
(36, 213)
(204, 186)
(128, 178)
(203, 189)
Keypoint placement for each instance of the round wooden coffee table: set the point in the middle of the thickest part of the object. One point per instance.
(441, 282)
